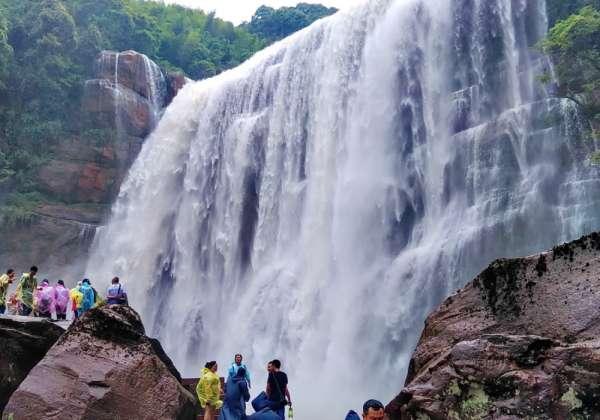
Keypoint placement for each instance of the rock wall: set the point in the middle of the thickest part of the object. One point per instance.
(121, 104)
(104, 367)
(522, 340)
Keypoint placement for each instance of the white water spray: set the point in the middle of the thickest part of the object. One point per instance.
(317, 202)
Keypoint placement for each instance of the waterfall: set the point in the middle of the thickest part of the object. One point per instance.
(317, 202)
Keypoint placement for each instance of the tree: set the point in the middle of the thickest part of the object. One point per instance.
(574, 45)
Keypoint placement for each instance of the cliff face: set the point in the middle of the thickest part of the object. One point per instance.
(522, 340)
(121, 104)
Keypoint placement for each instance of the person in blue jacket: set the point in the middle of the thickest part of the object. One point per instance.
(372, 410)
(236, 365)
(236, 396)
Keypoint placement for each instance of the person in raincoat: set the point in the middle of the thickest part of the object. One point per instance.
(236, 365)
(236, 396)
(88, 300)
(76, 298)
(209, 390)
(27, 285)
(61, 300)
(43, 299)
(5, 281)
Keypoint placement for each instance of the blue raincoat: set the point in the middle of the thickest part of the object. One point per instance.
(236, 395)
(88, 300)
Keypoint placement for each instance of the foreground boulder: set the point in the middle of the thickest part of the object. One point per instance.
(104, 367)
(24, 341)
(520, 341)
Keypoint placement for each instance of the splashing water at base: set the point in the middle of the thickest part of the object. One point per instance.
(317, 202)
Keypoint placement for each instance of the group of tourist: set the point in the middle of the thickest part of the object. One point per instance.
(54, 301)
(269, 404)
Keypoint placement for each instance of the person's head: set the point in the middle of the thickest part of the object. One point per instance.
(238, 359)
(33, 270)
(270, 367)
(115, 280)
(276, 364)
(62, 283)
(241, 373)
(45, 282)
(211, 365)
(373, 410)
(85, 282)
(10, 272)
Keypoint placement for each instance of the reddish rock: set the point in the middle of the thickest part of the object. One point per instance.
(23, 343)
(134, 71)
(104, 367)
(522, 340)
(114, 106)
(175, 82)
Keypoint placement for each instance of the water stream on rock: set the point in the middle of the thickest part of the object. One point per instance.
(317, 202)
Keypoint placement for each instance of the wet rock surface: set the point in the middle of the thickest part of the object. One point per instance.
(522, 340)
(103, 367)
(23, 343)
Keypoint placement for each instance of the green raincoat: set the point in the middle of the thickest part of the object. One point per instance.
(27, 285)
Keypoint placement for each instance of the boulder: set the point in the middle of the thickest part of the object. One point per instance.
(23, 343)
(115, 106)
(175, 82)
(134, 71)
(522, 340)
(104, 367)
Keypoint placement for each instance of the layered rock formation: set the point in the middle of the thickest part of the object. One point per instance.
(122, 104)
(103, 367)
(23, 343)
(522, 340)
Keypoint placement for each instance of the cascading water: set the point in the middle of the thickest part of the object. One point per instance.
(317, 202)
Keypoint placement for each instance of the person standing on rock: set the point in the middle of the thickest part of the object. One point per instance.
(76, 299)
(237, 365)
(116, 294)
(61, 300)
(5, 281)
(89, 297)
(209, 391)
(236, 396)
(43, 300)
(25, 288)
(277, 389)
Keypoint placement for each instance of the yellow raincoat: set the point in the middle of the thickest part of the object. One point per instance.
(76, 297)
(209, 389)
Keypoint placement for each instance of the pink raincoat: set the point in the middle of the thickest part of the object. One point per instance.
(62, 299)
(43, 299)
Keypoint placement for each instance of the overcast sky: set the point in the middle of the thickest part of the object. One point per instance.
(238, 11)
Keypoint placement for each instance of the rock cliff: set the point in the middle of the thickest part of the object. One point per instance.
(522, 340)
(122, 104)
(103, 366)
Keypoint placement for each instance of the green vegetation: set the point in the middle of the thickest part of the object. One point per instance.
(274, 24)
(574, 45)
(561, 9)
(48, 48)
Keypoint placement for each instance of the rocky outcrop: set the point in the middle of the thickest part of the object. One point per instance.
(81, 179)
(104, 366)
(23, 343)
(522, 340)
